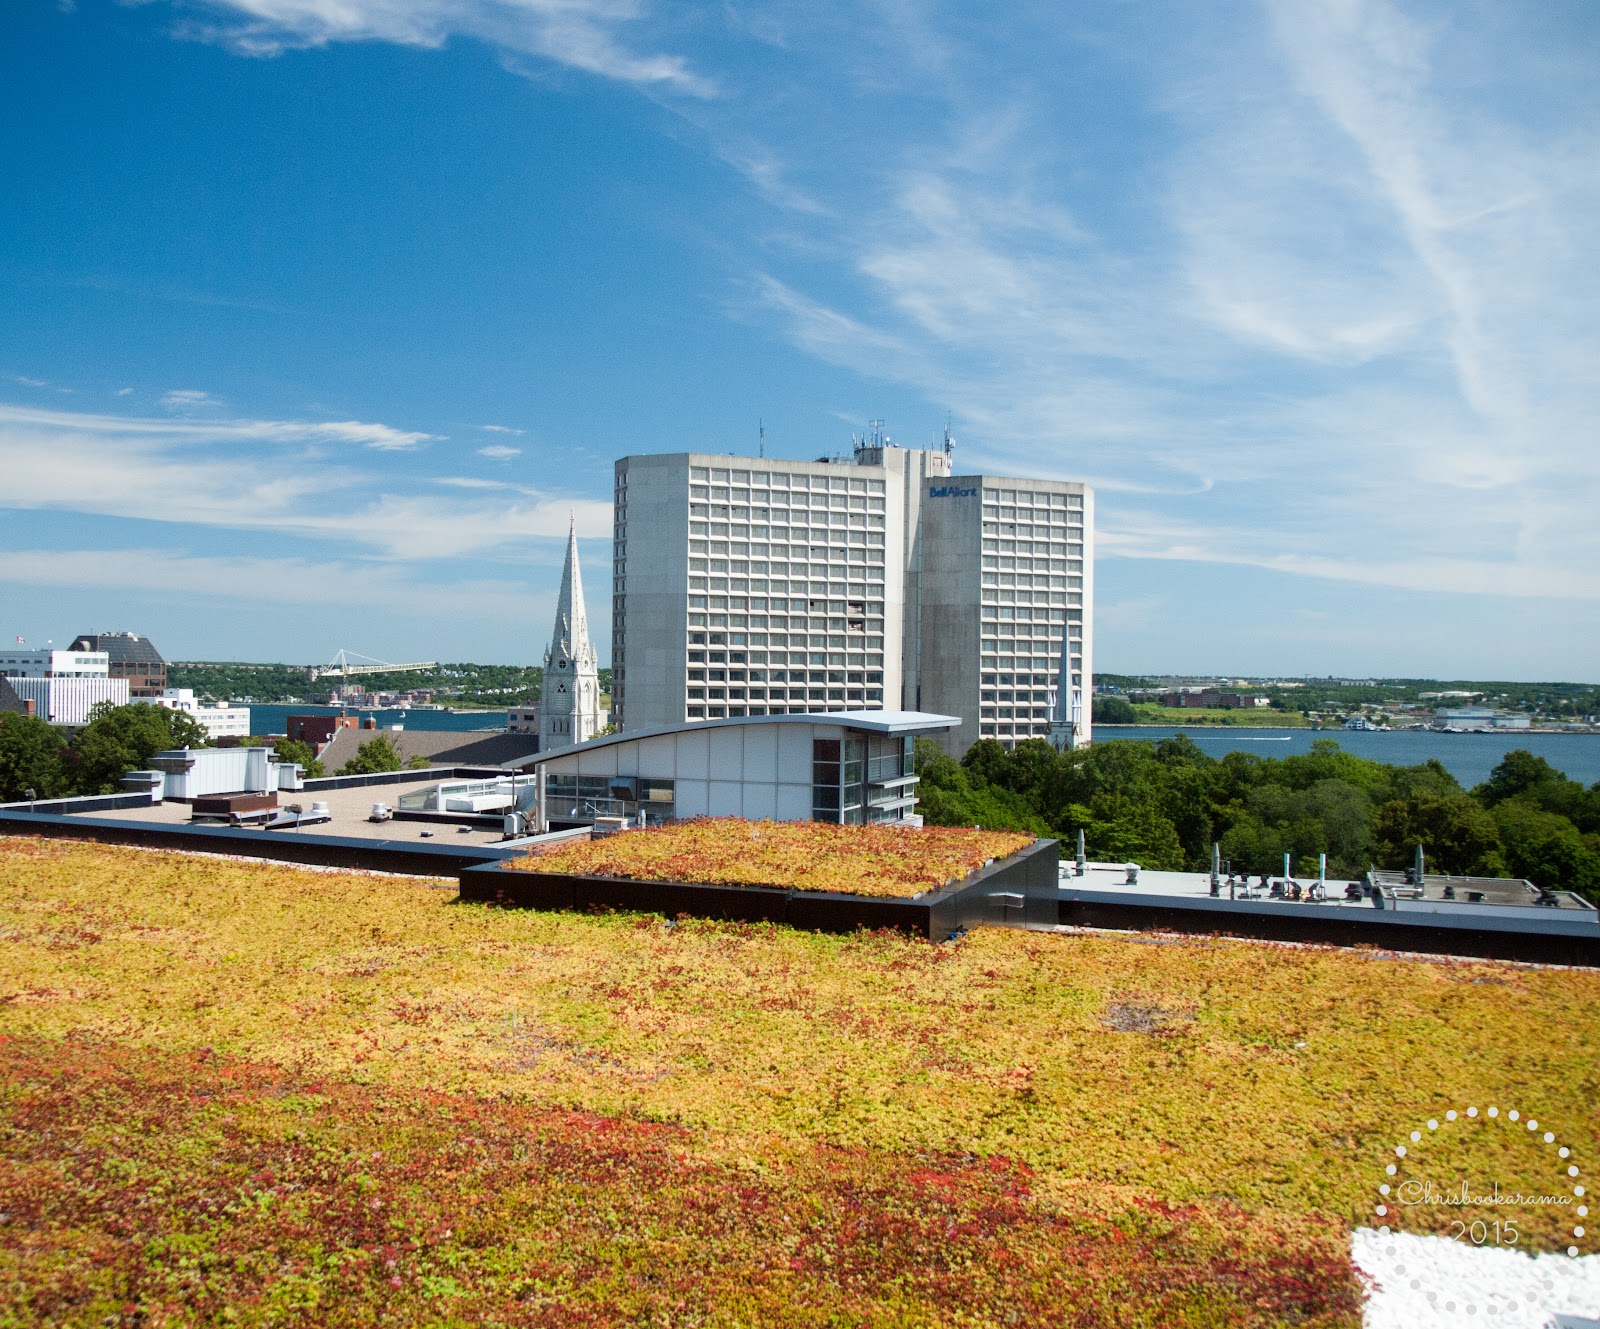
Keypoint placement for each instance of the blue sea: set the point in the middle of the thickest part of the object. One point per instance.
(275, 719)
(1468, 757)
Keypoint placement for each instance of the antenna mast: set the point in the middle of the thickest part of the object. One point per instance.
(761, 436)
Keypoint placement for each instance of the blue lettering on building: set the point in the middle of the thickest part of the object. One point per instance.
(951, 491)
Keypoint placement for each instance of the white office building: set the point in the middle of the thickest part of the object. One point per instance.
(68, 701)
(49, 663)
(748, 588)
(217, 721)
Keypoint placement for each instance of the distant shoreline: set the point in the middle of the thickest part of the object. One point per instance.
(1308, 729)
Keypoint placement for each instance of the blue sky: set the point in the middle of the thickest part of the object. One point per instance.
(319, 317)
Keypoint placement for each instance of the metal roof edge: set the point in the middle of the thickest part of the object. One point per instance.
(879, 722)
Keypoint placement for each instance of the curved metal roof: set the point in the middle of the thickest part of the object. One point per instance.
(872, 722)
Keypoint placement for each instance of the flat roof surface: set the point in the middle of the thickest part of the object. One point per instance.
(1192, 885)
(348, 807)
(1113, 878)
(876, 722)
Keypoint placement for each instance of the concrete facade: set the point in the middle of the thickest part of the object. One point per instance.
(1008, 578)
(745, 587)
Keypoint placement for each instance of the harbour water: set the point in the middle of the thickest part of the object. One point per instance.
(1468, 757)
(275, 719)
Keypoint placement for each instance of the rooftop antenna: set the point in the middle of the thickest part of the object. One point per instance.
(949, 441)
(761, 437)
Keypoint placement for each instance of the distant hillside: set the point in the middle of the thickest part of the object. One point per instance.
(463, 684)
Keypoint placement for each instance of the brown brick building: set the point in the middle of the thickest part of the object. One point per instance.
(129, 656)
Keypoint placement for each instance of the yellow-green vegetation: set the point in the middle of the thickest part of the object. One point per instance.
(878, 860)
(1252, 1090)
(1150, 713)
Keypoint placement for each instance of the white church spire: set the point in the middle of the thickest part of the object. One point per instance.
(1067, 712)
(569, 702)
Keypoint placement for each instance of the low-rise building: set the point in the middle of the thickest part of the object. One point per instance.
(218, 721)
(317, 731)
(1478, 719)
(68, 701)
(47, 662)
(842, 766)
(1213, 699)
(131, 657)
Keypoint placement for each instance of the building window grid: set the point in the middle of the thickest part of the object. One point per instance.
(1045, 559)
(1025, 596)
(834, 603)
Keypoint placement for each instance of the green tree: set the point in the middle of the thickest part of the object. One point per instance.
(1548, 849)
(1119, 830)
(948, 795)
(1250, 845)
(1518, 773)
(1524, 776)
(32, 756)
(1114, 710)
(292, 749)
(373, 757)
(119, 739)
(1456, 834)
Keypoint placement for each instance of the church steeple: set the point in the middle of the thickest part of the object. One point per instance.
(1066, 713)
(569, 701)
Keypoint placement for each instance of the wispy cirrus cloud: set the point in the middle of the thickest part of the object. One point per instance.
(381, 437)
(499, 452)
(189, 401)
(1338, 297)
(264, 475)
(285, 580)
(586, 35)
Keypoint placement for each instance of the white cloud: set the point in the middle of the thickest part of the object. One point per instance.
(499, 452)
(499, 429)
(1331, 316)
(470, 482)
(189, 401)
(183, 472)
(383, 438)
(578, 34)
(295, 581)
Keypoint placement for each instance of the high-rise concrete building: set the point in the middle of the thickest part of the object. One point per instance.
(569, 699)
(744, 587)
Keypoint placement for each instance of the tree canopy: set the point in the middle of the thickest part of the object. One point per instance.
(32, 756)
(1164, 804)
(119, 739)
(373, 757)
